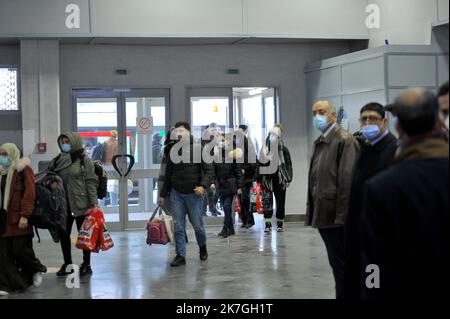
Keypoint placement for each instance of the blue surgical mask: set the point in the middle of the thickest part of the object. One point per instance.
(5, 161)
(66, 148)
(321, 122)
(370, 131)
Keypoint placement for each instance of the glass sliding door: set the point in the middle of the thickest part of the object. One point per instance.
(144, 107)
(124, 125)
(97, 123)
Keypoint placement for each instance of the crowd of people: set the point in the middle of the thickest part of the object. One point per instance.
(378, 201)
(381, 203)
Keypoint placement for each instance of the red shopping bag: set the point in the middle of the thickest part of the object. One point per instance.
(256, 203)
(106, 242)
(94, 235)
(237, 204)
(259, 204)
(90, 231)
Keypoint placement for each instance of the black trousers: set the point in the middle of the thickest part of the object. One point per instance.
(18, 263)
(247, 216)
(280, 199)
(66, 245)
(334, 239)
(227, 202)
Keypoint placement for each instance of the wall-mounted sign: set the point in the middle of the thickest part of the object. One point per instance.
(144, 125)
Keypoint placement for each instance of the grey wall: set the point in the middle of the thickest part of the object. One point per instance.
(10, 123)
(178, 67)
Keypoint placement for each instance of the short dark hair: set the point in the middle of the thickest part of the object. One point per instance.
(243, 127)
(375, 107)
(418, 113)
(184, 124)
(443, 90)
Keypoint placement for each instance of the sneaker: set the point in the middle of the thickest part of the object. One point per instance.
(279, 227)
(43, 269)
(178, 261)
(268, 228)
(3, 293)
(37, 279)
(203, 253)
(85, 270)
(62, 272)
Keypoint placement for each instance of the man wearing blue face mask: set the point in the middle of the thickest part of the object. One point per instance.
(377, 151)
(329, 186)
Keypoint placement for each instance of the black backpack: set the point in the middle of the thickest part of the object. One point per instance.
(50, 208)
(98, 152)
(102, 187)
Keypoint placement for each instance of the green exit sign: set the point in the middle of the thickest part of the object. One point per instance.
(233, 71)
(121, 72)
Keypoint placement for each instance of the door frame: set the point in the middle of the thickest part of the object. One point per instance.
(121, 94)
(207, 91)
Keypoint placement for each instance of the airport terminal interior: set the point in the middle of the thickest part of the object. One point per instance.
(110, 85)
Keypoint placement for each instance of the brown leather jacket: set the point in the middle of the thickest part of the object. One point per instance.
(327, 208)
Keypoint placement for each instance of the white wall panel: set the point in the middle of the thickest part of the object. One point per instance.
(167, 17)
(404, 22)
(410, 71)
(307, 18)
(31, 17)
(325, 82)
(443, 6)
(363, 75)
(442, 69)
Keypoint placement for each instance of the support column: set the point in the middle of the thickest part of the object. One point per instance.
(39, 61)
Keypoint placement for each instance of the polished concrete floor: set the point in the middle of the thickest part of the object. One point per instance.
(250, 265)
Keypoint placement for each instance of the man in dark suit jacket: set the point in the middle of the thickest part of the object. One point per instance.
(405, 248)
(377, 151)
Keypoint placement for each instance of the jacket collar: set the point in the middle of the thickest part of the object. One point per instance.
(426, 148)
(20, 165)
(329, 138)
(384, 142)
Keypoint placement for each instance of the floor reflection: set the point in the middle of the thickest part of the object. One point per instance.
(251, 264)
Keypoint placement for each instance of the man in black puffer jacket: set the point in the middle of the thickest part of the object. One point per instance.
(187, 176)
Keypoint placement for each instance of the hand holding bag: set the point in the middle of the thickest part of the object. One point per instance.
(157, 230)
(170, 227)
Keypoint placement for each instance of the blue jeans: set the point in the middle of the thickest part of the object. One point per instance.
(192, 205)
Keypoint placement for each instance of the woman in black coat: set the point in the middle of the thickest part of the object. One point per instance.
(228, 180)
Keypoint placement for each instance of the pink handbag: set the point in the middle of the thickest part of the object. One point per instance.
(156, 230)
